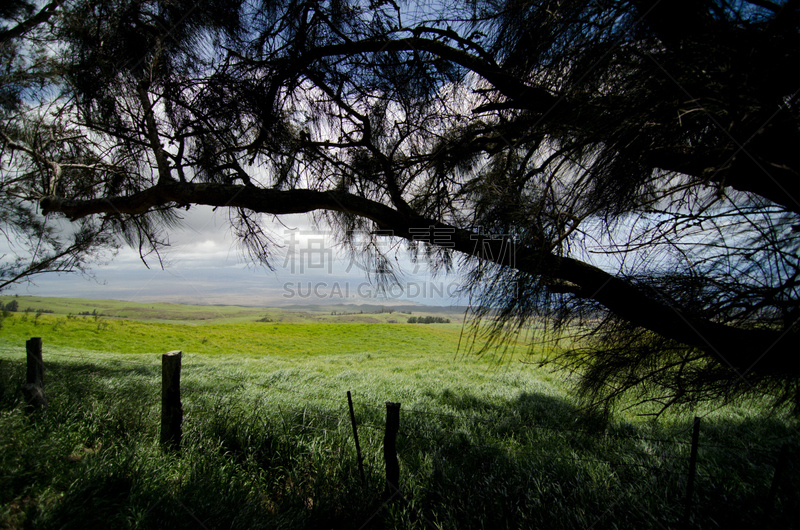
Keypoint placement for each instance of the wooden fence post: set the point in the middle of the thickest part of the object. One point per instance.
(692, 469)
(355, 435)
(171, 408)
(33, 389)
(776, 478)
(390, 450)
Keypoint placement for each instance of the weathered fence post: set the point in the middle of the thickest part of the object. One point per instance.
(692, 469)
(33, 389)
(355, 435)
(390, 450)
(776, 478)
(171, 408)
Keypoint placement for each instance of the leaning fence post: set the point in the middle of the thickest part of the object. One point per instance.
(171, 408)
(390, 450)
(692, 469)
(355, 435)
(33, 389)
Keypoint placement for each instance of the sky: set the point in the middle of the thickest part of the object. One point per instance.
(205, 265)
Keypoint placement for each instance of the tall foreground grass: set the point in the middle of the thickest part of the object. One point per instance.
(268, 442)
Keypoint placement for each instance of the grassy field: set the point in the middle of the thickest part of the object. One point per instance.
(483, 442)
(219, 314)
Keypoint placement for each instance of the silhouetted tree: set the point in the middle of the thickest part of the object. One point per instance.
(626, 170)
(37, 143)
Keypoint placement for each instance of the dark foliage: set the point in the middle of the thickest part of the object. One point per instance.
(627, 169)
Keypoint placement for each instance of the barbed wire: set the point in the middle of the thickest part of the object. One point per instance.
(540, 455)
(242, 382)
(275, 387)
(463, 443)
(591, 434)
(442, 432)
(83, 357)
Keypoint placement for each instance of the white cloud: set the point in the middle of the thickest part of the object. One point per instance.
(205, 265)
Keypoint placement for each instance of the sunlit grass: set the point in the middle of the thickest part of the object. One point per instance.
(242, 340)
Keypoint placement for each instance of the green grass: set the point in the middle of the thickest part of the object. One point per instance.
(135, 310)
(206, 314)
(242, 340)
(268, 443)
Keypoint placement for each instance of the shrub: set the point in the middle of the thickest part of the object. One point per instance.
(428, 320)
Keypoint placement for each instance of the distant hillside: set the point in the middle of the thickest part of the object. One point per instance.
(206, 314)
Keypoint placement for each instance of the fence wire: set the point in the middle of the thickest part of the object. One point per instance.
(439, 435)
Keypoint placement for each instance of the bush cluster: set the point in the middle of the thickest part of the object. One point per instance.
(428, 320)
(12, 306)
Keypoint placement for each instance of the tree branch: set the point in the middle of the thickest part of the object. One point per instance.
(26, 25)
(739, 349)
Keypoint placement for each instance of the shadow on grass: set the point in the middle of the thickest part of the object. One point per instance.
(534, 461)
(613, 472)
